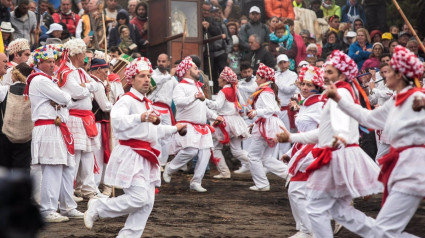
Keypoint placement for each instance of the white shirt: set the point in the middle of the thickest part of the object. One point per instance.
(101, 98)
(308, 117)
(165, 85)
(7, 78)
(221, 105)
(82, 95)
(266, 105)
(126, 121)
(285, 81)
(380, 94)
(188, 108)
(43, 90)
(246, 89)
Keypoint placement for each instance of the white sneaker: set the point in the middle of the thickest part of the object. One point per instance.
(74, 213)
(77, 199)
(222, 176)
(242, 170)
(255, 188)
(301, 235)
(338, 228)
(90, 216)
(54, 217)
(165, 175)
(197, 187)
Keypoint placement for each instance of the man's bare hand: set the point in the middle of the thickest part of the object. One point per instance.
(338, 142)
(284, 136)
(200, 96)
(418, 104)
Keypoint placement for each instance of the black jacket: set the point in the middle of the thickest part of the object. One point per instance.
(260, 56)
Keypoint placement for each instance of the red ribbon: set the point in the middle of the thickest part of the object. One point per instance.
(262, 128)
(66, 134)
(144, 149)
(201, 128)
(303, 153)
(145, 99)
(323, 156)
(104, 127)
(222, 127)
(291, 115)
(388, 162)
(88, 119)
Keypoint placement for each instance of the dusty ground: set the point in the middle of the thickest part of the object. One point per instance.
(228, 209)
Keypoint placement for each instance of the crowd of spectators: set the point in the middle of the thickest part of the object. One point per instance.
(253, 31)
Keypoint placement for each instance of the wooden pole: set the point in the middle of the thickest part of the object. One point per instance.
(409, 25)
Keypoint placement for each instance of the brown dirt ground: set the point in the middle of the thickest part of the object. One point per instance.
(228, 209)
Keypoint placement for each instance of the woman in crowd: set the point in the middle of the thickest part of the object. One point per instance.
(115, 34)
(332, 43)
(282, 42)
(360, 50)
(393, 44)
(374, 58)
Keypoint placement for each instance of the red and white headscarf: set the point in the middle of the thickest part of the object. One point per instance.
(228, 75)
(343, 63)
(406, 62)
(265, 72)
(312, 74)
(136, 66)
(183, 67)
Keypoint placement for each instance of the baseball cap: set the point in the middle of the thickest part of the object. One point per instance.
(55, 27)
(387, 36)
(351, 34)
(282, 57)
(404, 33)
(303, 63)
(254, 9)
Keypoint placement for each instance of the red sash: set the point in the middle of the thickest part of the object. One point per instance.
(66, 135)
(303, 153)
(402, 97)
(222, 127)
(114, 78)
(144, 149)
(291, 115)
(323, 156)
(201, 128)
(262, 128)
(164, 105)
(388, 162)
(297, 146)
(104, 127)
(88, 119)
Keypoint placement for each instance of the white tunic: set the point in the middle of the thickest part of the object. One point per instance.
(235, 125)
(285, 81)
(193, 110)
(380, 94)
(165, 85)
(351, 172)
(116, 91)
(127, 168)
(47, 145)
(246, 89)
(403, 127)
(100, 96)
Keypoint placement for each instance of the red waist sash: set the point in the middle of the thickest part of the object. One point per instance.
(291, 115)
(323, 156)
(388, 163)
(201, 128)
(262, 128)
(105, 129)
(144, 149)
(164, 105)
(66, 134)
(222, 127)
(88, 119)
(303, 153)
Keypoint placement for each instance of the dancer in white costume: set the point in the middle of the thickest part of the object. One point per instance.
(341, 170)
(192, 110)
(161, 98)
(134, 163)
(265, 105)
(402, 168)
(311, 85)
(52, 143)
(233, 129)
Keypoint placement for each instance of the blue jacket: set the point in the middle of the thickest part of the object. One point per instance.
(362, 56)
(350, 13)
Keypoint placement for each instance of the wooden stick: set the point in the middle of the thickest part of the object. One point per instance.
(184, 38)
(409, 25)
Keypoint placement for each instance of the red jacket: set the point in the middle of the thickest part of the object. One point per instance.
(70, 20)
(279, 8)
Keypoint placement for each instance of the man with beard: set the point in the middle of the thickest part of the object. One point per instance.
(141, 20)
(23, 21)
(192, 110)
(161, 99)
(19, 52)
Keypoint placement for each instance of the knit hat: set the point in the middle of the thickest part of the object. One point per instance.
(312, 74)
(75, 46)
(136, 66)
(45, 52)
(228, 75)
(378, 43)
(406, 62)
(18, 45)
(343, 63)
(183, 67)
(265, 72)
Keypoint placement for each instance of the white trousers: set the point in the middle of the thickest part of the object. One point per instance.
(136, 202)
(99, 156)
(56, 185)
(394, 216)
(260, 157)
(36, 175)
(164, 142)
(185, 155)
(298, 201)
(84, 175)
(318, 211)
(237, 152)
(282, 148)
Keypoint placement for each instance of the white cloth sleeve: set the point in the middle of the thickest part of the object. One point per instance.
(50, 90)
(340, 121)
(3, 92)
(102, 99)
(218, 103)
(309, 137)
(267, 99)
(180, 99)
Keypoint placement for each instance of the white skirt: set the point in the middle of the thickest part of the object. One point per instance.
(351, 172)
(303, 163)
(193, 138)
(48, 146)
(127, 168)
(408, 175)
(235, 127)
(81, 140)
(272, 127)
